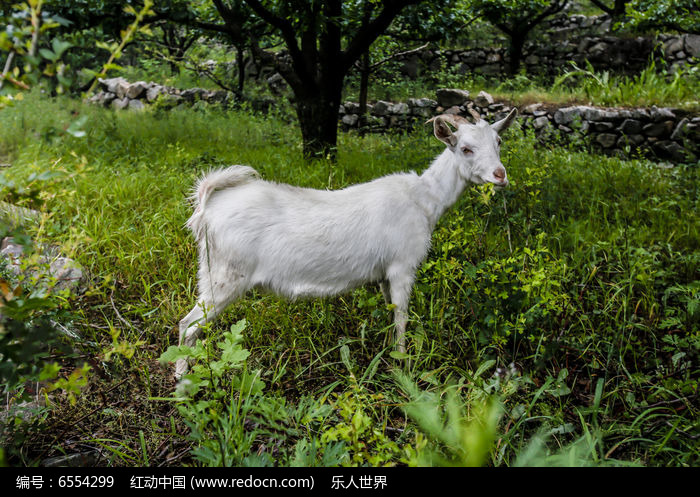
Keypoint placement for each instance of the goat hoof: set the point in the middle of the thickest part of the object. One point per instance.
(180, 369)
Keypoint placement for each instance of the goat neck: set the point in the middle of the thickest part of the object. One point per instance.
(442, 184)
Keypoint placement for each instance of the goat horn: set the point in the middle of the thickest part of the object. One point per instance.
(475, 114)
(454, 119)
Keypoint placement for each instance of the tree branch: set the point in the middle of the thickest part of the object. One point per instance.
(553, 9)
(390, 57)
(6, 70)
(290, 39)
(369, 32)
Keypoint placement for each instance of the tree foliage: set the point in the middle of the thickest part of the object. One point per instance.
(323, 39)
(516, 18)
(32, 57)
(614, 8)
(680, 15)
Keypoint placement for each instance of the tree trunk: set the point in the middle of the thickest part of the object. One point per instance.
(364, 89)
(318, 119)
(517, 41)
(240, 60)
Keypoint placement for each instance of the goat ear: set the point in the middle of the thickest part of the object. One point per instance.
(443, 132)
(504, 123)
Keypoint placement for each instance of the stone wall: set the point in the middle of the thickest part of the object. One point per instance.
(662, 133)
(119, 94)
(669, 134)
(625, 55)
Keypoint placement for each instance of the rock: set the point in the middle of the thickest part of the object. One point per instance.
(277, 84)
(630, 127)
(137, 89)
(540, 122)
(400, 108)
(692, 45)
(692, 131)
(602, 126)
(680, 130)
(532, 108)
(422, 106)
(455, 109)
(12, 253)
(447, 97)
(136, 105)
(171, 99)
(218, 97)
(350, 119)
(673, 45)
(483, 99)
(397, 121)
(68, 273)
(606, 140)
(658, 129)
(596, 114)
(532, 60)
(77, 460)
(489, 69)
(634, 140)
(473, 57)
(642, 114)
(605, 26)
(495, 107)
(154, 92)
(661, 114)
(568, 115)
(13, 215)
(121, 88)
(120, 103)
(382, 108)
(111, 84)
(192, 94)
(672, 150)
(65, 273)
(582, 46)
(102, 98)
(351, 107)
(598, 49)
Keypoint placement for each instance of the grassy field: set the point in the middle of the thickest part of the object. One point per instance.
(555, 322)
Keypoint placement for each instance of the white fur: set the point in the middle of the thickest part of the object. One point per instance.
(301, 242)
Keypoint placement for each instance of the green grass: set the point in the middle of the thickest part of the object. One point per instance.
(575, 85)
(553, 322)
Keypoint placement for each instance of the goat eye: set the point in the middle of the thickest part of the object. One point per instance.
(466, 150)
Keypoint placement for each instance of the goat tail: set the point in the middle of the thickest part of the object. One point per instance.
(211, 182)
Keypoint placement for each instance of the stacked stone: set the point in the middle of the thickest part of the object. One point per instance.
(604, 52)
(664, 133)
(119, 94)
(385, 116)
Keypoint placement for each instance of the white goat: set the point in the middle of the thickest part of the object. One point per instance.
(300, 242)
